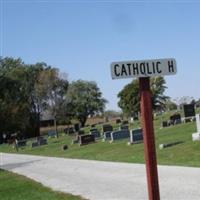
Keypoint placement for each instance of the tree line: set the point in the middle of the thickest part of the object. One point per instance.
(28, 90)
(129, 96)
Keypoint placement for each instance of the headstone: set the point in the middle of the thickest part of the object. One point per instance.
(124, 127)
(34, 144)
(136, 117)
(165, 124)
(86, 139)
(118, 121)
(196, 136)
(106, 119)
(162, 146)
(107, 127)
(175, 119)
(41, 141)
(198, 122)
(93, 129)
(21, 143)
(76, 140)
(77, 127)
(107, 135)
(125, 122)
(189, 110)
(69, 130)
(52, 133)
(117, 135)
(81, 132)
(95, 132)
(136, 136)
(132, 119)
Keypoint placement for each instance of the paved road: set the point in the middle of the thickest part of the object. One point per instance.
(96, 180)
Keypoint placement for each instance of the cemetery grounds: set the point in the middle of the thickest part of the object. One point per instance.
(186, 153)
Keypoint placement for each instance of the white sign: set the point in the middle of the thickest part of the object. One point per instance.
(143, 68)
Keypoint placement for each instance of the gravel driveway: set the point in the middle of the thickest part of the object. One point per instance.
(97, 180)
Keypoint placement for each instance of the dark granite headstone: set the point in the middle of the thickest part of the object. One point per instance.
(117, 135)
(81, 132)
(96, 133)
(77, 127)
(136, 136)
(41, 141)
(93, 129)
(162, 146)
(107, 135)
(124, 127)
(86, 139)
(125, 122)
(21, 143)
(174, 118)
(177, 121)
(69, 130)
(189, 110)
(118, 121)
(107, 127)
(165, 124)
(51, 133)
(34, 144)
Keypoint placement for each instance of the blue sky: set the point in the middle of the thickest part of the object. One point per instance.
(82, 38)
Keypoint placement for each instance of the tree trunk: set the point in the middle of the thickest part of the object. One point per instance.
(83, 120)
(55, 125)
(37, 129)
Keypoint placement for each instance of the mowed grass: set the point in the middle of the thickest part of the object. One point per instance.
(184, 154)
(17, 187)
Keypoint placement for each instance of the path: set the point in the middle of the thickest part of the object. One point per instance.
(96, 180)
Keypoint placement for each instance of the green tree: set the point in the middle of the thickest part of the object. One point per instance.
(51, 88)
(129, 97)
(25, 92)
(83, 99)
(13, 107)
(129, 100)
(157, 89)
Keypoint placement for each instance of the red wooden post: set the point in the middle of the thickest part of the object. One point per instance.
(148, 135)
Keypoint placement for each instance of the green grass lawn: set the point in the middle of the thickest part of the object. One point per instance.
(16, 187)
(184, 154)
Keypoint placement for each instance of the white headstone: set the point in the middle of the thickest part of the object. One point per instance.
(196, 137)
(132, 119)
(198, 122)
